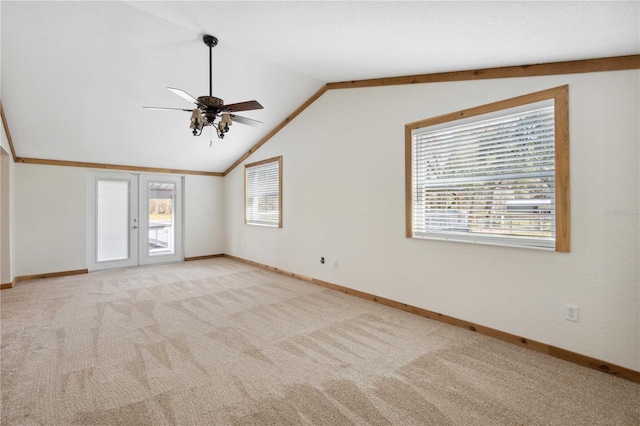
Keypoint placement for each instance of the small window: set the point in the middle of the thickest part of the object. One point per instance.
(494, 174)
(263, 193)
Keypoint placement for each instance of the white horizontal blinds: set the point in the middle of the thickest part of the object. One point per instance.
(489, 180)
(263, 194)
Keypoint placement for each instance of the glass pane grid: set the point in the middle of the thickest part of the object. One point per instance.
(161, 238)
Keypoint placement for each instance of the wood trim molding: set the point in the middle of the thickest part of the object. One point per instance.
(554, 351)
(278, 160)
(408, 182)
(279, 127)
(265, 161)
(563, 210)
(209, 256)
(560, 95)
(8, 133)
(617, 63)
(491, 107)
(83, 164)
(51, 275)
(8, 285)
(112, 167)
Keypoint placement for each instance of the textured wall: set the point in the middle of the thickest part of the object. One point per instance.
(204, 215)
(343, 194)
(51, 225)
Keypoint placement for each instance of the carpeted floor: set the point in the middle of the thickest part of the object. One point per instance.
(219, 342)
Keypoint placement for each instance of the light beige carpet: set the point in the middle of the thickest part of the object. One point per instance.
(219, 342)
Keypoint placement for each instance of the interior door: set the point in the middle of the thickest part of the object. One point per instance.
(160, 237)
(113, 226)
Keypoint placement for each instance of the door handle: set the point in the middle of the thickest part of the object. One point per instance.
(134, 227)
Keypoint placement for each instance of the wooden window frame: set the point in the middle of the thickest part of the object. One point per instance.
(560, 96)
(260, 163)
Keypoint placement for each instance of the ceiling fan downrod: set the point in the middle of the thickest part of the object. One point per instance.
(210, 41)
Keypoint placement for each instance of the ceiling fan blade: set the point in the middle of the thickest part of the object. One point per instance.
(243, 106)
(168, 109)
(183, 94)
(244, 120)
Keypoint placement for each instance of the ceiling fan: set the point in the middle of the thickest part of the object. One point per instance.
(209, 108)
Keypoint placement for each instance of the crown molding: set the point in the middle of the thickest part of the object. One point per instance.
(616, 63)
(83, 164)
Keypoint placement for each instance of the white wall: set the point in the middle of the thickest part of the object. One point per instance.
(51, 222)
(204, 215)
(343, 198)
(50, 225)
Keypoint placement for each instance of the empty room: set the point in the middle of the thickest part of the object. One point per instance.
(320, 213)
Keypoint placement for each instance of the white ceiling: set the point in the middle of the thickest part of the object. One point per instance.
(75, 75)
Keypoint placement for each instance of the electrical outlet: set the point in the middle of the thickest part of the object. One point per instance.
(571, 313)
(322, 260)
(335, 264)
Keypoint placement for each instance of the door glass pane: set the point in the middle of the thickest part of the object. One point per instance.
(161, 196)
(112, 220)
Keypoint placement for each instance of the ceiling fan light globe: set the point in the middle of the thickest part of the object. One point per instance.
(226, 119)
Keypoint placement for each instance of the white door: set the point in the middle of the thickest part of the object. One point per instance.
(112, 220)
(160, 218)
(133, 219)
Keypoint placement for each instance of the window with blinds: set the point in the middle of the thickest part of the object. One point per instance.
(489, 177)
(263, 189)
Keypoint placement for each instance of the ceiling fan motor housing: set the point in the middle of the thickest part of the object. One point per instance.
(211, 102)
(211, 107)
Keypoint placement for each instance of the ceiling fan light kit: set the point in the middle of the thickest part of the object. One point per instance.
(211, 111)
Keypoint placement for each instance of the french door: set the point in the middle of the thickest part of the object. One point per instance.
(133, 219)
(160, 209)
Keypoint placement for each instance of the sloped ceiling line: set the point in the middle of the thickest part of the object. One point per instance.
(279, 127)
(614, 63)
(41, 161)
(617, 63)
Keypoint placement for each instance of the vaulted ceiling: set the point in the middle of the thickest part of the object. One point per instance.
(75, 75)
